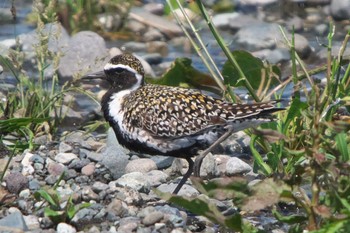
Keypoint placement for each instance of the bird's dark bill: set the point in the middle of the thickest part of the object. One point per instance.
(97, 75)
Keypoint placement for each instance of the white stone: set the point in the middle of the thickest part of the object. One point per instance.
(65, 158)
(236, 166)
(65, 228)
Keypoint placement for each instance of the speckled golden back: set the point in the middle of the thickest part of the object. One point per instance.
(176, 112)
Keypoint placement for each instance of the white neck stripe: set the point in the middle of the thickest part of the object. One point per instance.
(110, 66)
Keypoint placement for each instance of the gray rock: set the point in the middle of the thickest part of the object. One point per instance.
(133, 47)
(65, 228)
(88, 194)
(154, 8)
(134, 180)
(162, 162)
(173, 215)
(223, 20)
(78, 164)
(56, 169)
(236, 166)
(153, 58)
(65, 158)
(117, 208)
(267, 32)
(140, 165)
(153, 34)
(273, 56)
(93, 156)
(88, 170)
(25, 193)
(169, 28)
(32, 222)
(34, 184)
(64, 147)
(99, 186)
(156, 177)
(51, 179)
(186, 190)
(152, 218)
(340, 9)
(295, 23)
(242, 21)
(321, 29)
(221, 161)
(13, 222)
(82, 47)
(16, 182)
(135, 26)
(115, 160)
(128, 224)
(208, 168)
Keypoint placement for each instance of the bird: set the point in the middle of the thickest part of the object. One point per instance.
(166, 120)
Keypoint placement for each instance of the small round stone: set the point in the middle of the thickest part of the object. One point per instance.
(88, 170)
(140, 165)
(65, 158)
(65, 228)
(236, 166)
(152, 218)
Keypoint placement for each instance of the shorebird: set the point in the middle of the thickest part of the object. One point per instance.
(171, 121)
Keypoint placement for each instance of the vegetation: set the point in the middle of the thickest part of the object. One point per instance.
(305, 159)
(58, 209)
(304, 156)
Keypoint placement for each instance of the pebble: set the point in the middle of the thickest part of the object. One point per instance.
(15, 221)
(156, 177)
(153, 218)
(65, 228)
(56, 169)
(115, 160)
(16, 182)
(65, 158)
(134, 180)
(32, 222)
(99, 186)
(236, 166)
(140, 165)
(88, 170)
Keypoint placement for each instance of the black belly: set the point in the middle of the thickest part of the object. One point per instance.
(142, 148)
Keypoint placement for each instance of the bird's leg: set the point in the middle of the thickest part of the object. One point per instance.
(185, 177)
(199, 159)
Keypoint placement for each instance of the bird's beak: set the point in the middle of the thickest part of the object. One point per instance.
(97, 75)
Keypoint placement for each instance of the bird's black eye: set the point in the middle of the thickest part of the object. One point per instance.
(118, 70)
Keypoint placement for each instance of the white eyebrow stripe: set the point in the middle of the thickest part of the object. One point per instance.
(110, 66)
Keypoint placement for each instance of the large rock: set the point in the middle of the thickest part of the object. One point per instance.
(86, 52)
(340, 9)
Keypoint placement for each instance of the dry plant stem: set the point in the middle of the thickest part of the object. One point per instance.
(199, 159)
(226, 50)
(216, 74)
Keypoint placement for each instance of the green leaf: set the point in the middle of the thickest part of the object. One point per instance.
(252, 68)
(295, 109)
(290, 219)
(42, 194)
(182, 73)
(258, 160)
(342, 146)
(13, 124)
